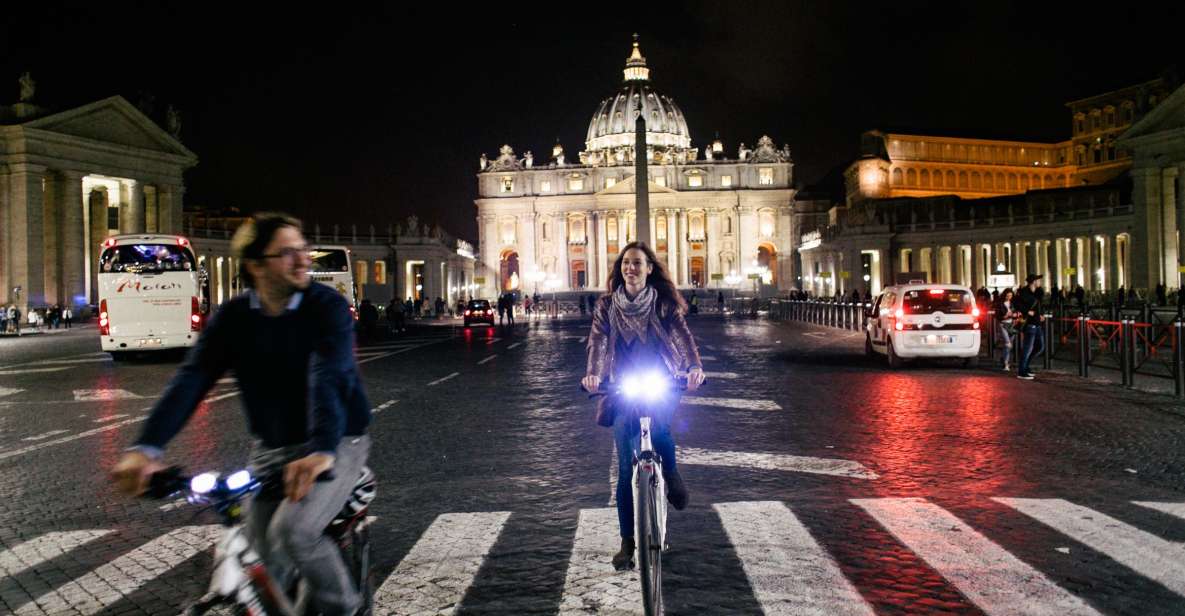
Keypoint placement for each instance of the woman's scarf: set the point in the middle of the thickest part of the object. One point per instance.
(632, 318)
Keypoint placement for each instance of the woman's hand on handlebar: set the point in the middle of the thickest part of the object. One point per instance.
(591, 383)
(299, 475)
(132, 472)
(695, 378)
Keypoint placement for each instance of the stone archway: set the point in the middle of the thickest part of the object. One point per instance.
(509, 276)
(767, 256)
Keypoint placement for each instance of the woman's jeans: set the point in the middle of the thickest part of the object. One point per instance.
(626, 435)
(1008, 335)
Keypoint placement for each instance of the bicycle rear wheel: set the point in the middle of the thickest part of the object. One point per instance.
(649, 541)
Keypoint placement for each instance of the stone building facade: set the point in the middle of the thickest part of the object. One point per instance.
(559, 225)
(70, 179)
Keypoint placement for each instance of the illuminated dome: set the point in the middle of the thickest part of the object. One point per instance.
(611, 132)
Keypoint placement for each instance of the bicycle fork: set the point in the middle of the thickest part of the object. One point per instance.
(651, 465)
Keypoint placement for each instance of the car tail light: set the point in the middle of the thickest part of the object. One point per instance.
(104, 322)
(936, 291)
(975, 325)
(109, 242)
(182, 241)
(468, 312)
(900, 313)
(975, 311)
(195, 314)
(489, 312)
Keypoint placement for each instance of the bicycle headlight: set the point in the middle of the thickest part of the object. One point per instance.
(238, 480)
(631, 386)
(204, 483)
(654, 386)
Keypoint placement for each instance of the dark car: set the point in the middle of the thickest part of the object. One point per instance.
(479, 311)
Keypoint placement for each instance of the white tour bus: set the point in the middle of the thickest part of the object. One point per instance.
(333, 267)
(149, 294)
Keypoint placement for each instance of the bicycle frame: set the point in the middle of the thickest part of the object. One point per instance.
(646, 460)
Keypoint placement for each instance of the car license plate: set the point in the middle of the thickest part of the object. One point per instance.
(936, 339)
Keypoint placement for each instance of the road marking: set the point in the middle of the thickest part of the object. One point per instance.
(492, 340)
(490, 358)
(93, 360)
(436, 573)
(32, 370)
(513, 345)
(111, 418)
(721, 375)
(790, 573)
(382, 406)
(815, 335)
(66, 439)
(110, 583)
(27, 555)
(775, 462)
(402, 350)
(441, 380)
(8, 391)
(1173, 509)
(583, 339)
(591, 585)
(1143, 552)
(995, 580)
(732, 403)
(93, 395)
(707, 358)
(177, 504)
(227, 380)
(45, 435)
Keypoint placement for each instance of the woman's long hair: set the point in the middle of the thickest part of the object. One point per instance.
(668, 294)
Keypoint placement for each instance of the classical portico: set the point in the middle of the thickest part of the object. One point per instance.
(70, 179)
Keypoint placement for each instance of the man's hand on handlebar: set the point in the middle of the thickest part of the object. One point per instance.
(591, 383)
(695, 378)
(299, 475)
(132, 472)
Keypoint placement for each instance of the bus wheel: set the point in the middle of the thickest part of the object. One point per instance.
(119, 355)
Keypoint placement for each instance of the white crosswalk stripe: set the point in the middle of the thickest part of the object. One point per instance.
(1141, 551)
(440, 567)
(591, 586)
(106, 585)
(995, 580)
(1173, 509)
(790, 573)
(8, 391)
(778, 462)
(722, 375)
(35, 551)
(732, 403)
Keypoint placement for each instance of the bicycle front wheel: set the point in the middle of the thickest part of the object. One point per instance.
(649, 541)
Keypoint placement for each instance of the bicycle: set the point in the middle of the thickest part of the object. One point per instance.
(650, 503)
(240, 578)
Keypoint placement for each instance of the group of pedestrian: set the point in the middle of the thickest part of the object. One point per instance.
(1019, 320)
(506, 303)
(12, 320)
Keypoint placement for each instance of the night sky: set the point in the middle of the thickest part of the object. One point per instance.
(347, 112)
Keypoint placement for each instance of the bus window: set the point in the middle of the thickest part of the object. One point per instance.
(328, 260)
(146, 259)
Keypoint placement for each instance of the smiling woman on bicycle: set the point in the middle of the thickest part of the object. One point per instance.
(639, 326)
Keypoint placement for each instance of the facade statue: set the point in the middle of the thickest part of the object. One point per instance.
(529, 159)
(413, 225)
(173, 121)
(506, 160)
(743, 152)
(484, 162)
(28, 88)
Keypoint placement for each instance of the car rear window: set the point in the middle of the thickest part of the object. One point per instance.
(937, 300)
(479, 305)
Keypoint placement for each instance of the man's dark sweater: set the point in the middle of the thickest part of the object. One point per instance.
(277, 361)
(1027, 301)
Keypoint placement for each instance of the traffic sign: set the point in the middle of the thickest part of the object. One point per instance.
(479, 280)
(717, 276)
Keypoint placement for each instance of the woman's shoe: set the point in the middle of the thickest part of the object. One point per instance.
(676, 490)
(625, 558)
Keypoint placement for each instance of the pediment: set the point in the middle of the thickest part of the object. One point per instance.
(1169, 115)
(626, 187)
(112, 120)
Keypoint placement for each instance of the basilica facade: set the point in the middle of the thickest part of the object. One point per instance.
(558, 225)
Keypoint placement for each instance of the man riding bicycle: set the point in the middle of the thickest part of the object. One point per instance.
(639, 326)
(290, 343)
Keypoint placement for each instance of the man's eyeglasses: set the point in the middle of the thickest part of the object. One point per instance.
(289, 253)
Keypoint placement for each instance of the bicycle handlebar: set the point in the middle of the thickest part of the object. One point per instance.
(607, 387)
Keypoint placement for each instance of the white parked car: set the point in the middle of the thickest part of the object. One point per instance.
(924, 320)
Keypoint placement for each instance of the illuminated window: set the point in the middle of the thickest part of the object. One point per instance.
(507, 184)
(576, 184)
(661, 180)
(508, 236)
(695, 227)
(576, 230)
(545, 186)
(766, 176)
(610, 182)
(661, 232)
(725, 181)
(611, 228)
(695, 181)
(765, 223)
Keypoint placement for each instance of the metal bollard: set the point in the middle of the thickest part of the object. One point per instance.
(991, 337)
(1083, 346)
(1050, 344)
(1125, 355)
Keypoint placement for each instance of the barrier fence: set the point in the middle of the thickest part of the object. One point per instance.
(1134, 342)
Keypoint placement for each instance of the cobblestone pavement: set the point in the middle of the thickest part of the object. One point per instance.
(821, 482)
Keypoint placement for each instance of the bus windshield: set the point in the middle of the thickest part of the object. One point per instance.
(146, 259)
(327, 260)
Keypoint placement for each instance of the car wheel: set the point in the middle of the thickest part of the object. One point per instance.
(891, 355)
(868, 351)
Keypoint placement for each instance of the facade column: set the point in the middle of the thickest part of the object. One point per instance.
(1169, 223)
(591, 272)
(623, 230)
(525, 234)
(1180, 224)
(672, 253)
(96, 203)
(1111, 245)
(952, 265)
(1032, 265)
(135, 207)
(1075, 262)
(976, 266)
(170, 198)
(26, 258)
(712, 248)
(151, 218)
(602, 250)
(561, 265)
(51, 228)
(1147, 238)
(73, 238)
(489, 248)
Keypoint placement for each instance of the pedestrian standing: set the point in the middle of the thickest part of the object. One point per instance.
(1005, 320)
(720, 302)
(1028, 310)
(67, 316)
(1162, 297)
(501, 309)
(510, 308)
(1080, 295)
